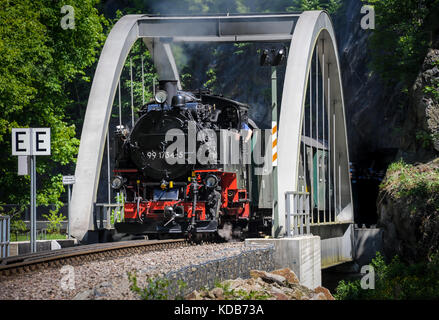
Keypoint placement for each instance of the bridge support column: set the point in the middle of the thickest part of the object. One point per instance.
(300, 254)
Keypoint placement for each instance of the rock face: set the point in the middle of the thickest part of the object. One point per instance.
(421, 139)
(399, 233)
(408, 211)
(280, 284)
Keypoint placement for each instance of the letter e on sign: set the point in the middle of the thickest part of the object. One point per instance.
(31, 141)
(41, 141)
(21, 142)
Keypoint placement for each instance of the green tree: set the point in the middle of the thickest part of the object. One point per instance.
(403, 32)
(54, 221)
(396, 281)
(329, 5)
(40, 65)
(137, 52)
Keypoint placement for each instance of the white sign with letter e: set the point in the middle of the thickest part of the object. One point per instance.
(27, 143)
(31, 141)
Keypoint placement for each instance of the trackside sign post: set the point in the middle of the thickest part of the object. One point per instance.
(31, 142)
(68, 180)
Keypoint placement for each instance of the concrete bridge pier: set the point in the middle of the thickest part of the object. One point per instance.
(301, 254)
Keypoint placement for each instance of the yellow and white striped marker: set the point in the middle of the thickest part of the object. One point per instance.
(274, 142)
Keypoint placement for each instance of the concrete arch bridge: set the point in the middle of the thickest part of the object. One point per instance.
(309, 190)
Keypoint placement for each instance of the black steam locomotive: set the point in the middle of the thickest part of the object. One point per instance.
(181, 168)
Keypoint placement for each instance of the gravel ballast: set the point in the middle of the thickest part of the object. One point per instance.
(107, 279)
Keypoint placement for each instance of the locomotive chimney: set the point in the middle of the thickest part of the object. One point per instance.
(170, 86)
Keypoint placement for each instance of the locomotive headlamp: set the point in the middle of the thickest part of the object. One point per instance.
(211, 181)
(117, 182)
(161, 96)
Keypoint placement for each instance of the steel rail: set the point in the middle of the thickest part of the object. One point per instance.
(33, 261)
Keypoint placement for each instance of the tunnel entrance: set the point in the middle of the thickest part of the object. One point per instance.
(366, 175)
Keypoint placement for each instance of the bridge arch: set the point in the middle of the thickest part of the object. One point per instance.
(303, 30)
(97, 116)
(313, 37)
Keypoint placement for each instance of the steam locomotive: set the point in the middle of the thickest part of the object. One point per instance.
(173, 167)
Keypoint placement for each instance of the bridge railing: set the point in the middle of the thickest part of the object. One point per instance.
(299, 215)
(5, 227)
(103, 215)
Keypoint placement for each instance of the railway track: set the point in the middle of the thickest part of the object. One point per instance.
(84, 253)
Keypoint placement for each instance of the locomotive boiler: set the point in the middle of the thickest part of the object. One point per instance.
(182, 168)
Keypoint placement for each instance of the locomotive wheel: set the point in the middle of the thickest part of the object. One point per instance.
(238, 234)
(119, 237)
(231, 232)
(195, 238)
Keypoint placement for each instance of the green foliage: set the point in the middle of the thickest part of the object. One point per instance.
(229, 6)
(424, 138)
(232, 294)
(21, 236)
(211, 76)
(241, 48)
(329, 5)
(138, 52)
(406, 180)
(212, 6)
(433, 89)
(181, 287)
(20, 232)
(414, 191)
(401, 37)
(396, 281)
(156, 288)
(350, 290)
(17, 225)
(116, 214)
(54, 221)
(42, 65)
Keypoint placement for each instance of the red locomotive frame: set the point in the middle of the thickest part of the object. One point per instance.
(234, 202)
